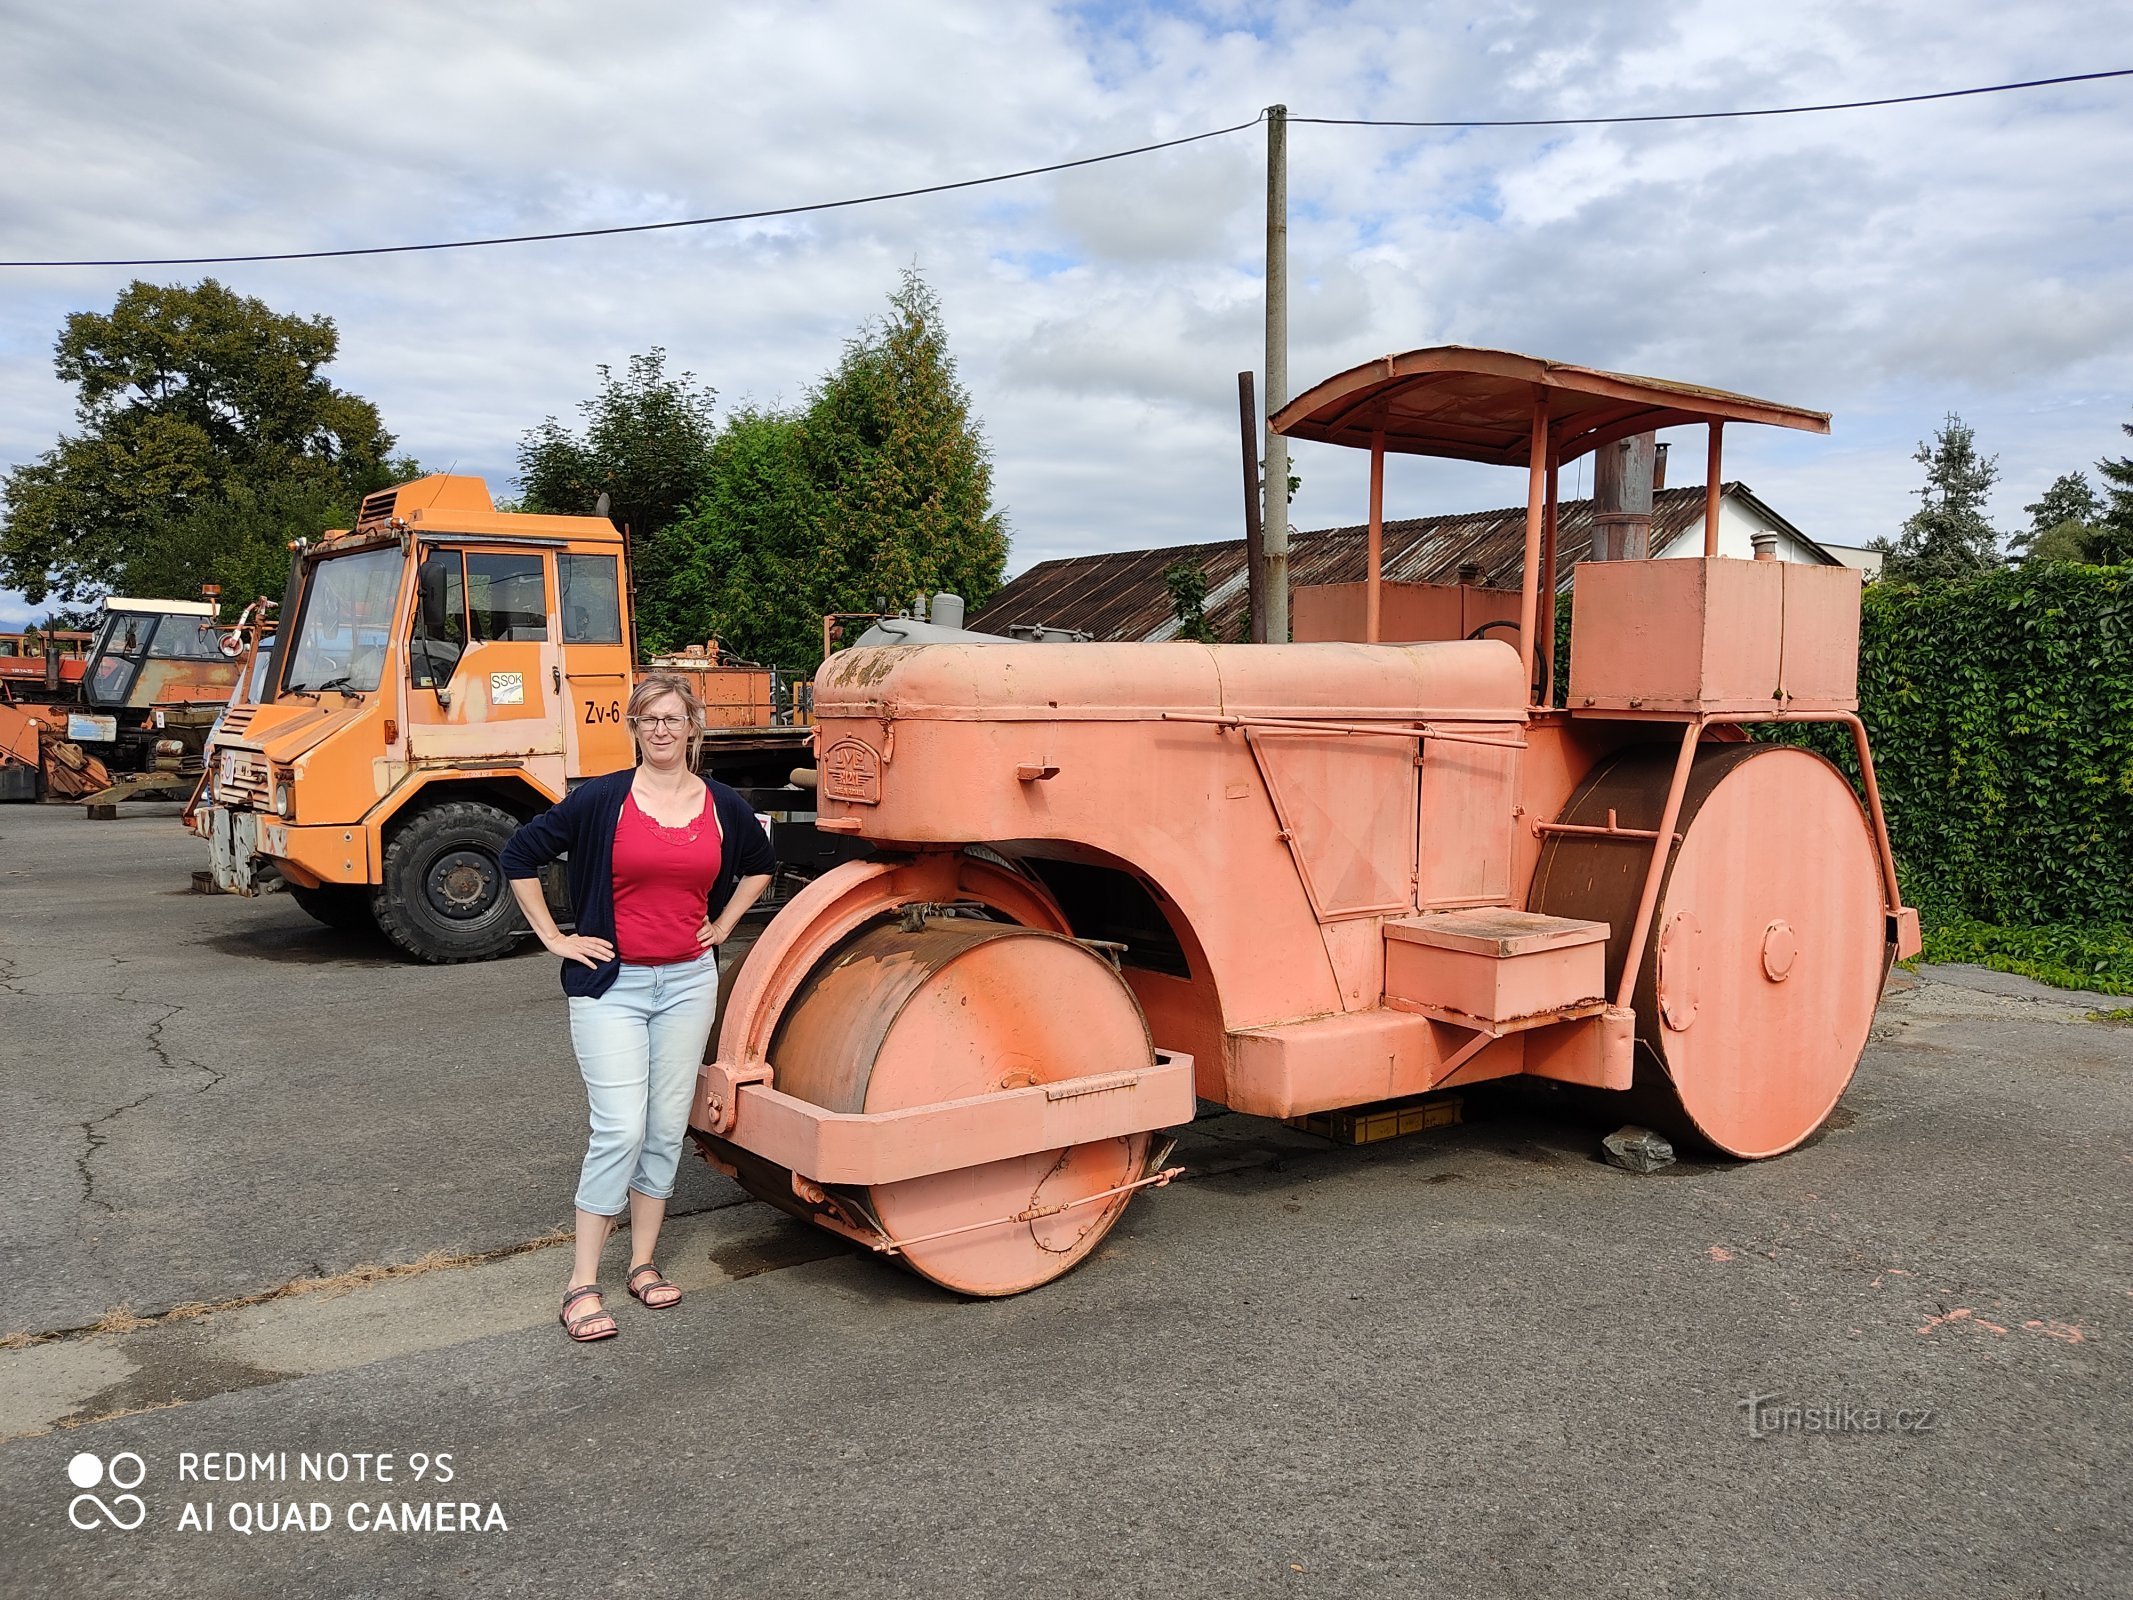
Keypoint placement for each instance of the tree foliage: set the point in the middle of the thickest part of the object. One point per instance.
(206, 430)
(1948, 536)
(2062, 523)
(1188, 600)
(646, 446)
(741, 566)
(878, 489)
(2113, 539)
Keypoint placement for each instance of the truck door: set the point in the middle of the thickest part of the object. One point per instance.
(596, 663)
(481, 642)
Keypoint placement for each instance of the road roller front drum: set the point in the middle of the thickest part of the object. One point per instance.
(917, 1010)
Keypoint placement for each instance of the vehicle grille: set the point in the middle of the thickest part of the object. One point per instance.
(377, 507)
(244, 781)
(238, 718)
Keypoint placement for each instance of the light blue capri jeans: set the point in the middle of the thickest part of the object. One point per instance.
(639, 1046)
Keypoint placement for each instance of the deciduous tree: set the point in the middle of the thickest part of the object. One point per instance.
(877, 490)
(646, 446)
(197, 406)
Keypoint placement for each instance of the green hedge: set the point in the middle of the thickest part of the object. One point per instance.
(2001, 714)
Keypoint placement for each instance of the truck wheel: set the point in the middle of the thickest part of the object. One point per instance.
(442, 894)
(342, 907)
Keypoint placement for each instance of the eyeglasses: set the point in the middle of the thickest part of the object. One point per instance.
(661, 724)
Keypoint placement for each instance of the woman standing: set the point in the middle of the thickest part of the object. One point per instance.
(662, 865)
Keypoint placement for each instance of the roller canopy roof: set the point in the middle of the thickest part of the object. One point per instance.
(1477, 405)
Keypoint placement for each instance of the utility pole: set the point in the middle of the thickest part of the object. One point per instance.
(1275, 522)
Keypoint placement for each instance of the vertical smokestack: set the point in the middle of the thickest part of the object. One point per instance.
(1622, 498)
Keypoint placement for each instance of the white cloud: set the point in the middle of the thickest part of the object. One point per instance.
(1884, 265)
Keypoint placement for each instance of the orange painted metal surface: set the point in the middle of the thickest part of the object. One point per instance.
(1495, 966)
(1755, 992)
(933, 1036)
(1714, 635)
(1329, 873)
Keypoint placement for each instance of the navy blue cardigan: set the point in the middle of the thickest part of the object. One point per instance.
(583, 825)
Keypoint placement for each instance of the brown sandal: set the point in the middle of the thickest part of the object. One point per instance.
(574, 1326)
(642, 1292)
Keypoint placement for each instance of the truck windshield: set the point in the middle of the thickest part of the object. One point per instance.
(121, 645)
(346, 622)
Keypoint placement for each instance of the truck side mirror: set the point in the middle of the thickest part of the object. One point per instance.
(439, 638)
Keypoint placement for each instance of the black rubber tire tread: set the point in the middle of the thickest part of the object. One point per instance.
(404, 915)
(344, 907)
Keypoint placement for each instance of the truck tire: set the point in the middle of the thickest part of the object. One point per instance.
(442, 896)
(342, 907)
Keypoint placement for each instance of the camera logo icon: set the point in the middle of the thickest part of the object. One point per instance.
(123, 1471)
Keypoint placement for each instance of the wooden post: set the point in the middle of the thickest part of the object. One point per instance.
(1254, 529)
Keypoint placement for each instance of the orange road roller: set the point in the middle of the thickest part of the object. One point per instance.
(1386, 859)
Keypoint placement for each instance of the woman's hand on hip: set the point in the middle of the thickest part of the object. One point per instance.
(712, 934)
(581, 948)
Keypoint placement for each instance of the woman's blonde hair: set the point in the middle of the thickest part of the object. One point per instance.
(657, 686)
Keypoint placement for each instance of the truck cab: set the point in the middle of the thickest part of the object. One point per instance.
(443, 671)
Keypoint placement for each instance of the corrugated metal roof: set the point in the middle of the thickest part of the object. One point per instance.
(1122, 594)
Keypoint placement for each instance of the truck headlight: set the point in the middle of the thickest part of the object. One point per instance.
(282, 799)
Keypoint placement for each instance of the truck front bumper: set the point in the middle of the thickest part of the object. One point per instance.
(246, 847)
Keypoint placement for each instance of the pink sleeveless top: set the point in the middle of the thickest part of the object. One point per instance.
(662, 876)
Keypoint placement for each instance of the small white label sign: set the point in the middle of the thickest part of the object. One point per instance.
(507, 688)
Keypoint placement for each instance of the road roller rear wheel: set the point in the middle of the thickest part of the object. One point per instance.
(907, 1016)
(1767, 949)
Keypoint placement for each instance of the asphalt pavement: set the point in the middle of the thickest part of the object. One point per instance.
(271, 1191)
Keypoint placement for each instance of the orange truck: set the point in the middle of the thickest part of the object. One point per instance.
(443, 671)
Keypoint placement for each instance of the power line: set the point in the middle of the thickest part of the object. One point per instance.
(1058, 166)
(649, 227)
(1717, 116)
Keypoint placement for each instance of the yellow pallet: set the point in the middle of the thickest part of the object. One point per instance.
(1388, 1119)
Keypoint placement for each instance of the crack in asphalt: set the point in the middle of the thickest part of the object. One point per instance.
(94, 1141)
(161, 1052)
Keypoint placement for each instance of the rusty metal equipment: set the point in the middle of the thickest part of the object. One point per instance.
(1291, 879)
(119, 714)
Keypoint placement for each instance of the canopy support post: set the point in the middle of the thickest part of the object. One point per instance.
(1373, 595)
(1713, 487)
(1549, 529)
(1536, 501)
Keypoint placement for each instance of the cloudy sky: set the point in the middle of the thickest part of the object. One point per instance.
(1888, 265)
